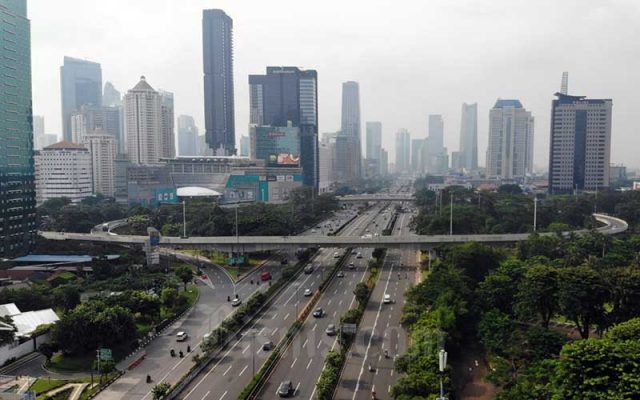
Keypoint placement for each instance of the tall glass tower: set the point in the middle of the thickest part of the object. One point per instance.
(81, 85)
(17, 188)
(217, 57)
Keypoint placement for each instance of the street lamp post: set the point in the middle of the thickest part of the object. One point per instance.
(451, 216)
(442, 361)
(184, 218)
(535, 213)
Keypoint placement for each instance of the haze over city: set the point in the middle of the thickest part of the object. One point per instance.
(410, 58)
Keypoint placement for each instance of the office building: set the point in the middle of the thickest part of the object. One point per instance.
(580, 148)
(187, 136)
(418, 150)
(403, 151)
(276, 146)
(87, 119)
(374, 140)
(617, 173)
(289, 94)
(38, 131)
(80, 84)
(349, 157)
(63, 170)
(327, 165)
(510, 150)
(17, 190)
(384, 162)
(217, 51)
(244, 146)
(143, 124)
(467, 157)
(103, 150)
(111, 97)
(167, 124)
(434, 147)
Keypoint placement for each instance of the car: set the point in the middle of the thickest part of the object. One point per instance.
(318, 312)
(387, 299)
(267, 345)
(308, 269)
(352, 265)
(181, 336)
(336, 255)
(340, 274)
(284, 261)
(313, 231)
(331, 330)
(353, 252)
(285, 389)
(265, 276)
(307, 292)
(359, 255)
(236, 302)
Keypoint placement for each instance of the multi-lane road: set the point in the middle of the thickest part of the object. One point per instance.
(211, 309)
(231, 372)
(303, 360)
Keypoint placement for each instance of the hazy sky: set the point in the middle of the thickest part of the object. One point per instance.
(411, 58)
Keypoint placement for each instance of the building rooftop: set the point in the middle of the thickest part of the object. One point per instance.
(502, 103)
(143, 85)
(65, 145)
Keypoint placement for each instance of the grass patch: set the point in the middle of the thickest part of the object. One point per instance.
(43, 385)
(80, 362)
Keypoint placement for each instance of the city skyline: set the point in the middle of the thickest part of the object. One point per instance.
(525, 65)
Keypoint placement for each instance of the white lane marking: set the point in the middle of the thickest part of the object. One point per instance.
(329, 302)
(314, 327)
(223, 394)
(286, 316)
(319, 344)
(228, 369)
(275, 316)
(340, 303)
(243, 369)
(261, 330)
(294, 362)
(274, 331)
(375, 323)
(246, 348)
(309, 364)
(206, 394)
(305, 343)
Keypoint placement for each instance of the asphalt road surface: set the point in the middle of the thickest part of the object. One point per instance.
(227, 377)
(303, 360)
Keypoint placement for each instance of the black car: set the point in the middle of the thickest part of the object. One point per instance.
(285, 389)
(318, 312)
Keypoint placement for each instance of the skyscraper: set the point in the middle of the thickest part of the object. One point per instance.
(468, 155)
(103, 150)
(111, 97)
(434, 147)
(289, 94)
(417, 155)
(244, 146)
(403, 151)
(167, 124)
(143, 124)
(580, 143)
(510, 150)
(349, 148)
(374, 140)
(351, 109)
(80, 84)
(88, 118)
(38, 131)
(187, 136)
(217, 39)
(17, 188)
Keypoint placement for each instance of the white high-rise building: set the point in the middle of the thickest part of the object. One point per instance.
(167, 124)
(63, 170)
(403, 151)
(103, 150)
(187, 136)
(143, 124)
(374, 140)
(468, 154)
(510, 151)
(327, 165)
(38, 131)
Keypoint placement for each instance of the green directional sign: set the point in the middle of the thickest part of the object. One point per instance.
(105, 354)
(236, 260)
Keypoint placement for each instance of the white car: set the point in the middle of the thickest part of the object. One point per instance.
(181, 336)
(307, 292)
(387, 299)
(236, 302)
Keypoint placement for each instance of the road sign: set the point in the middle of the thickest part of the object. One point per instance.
(105, 354)
(236, 260)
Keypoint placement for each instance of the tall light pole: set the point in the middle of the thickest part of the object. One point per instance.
(535, 213)
(451, 216)
(442, 361)
(184, 218)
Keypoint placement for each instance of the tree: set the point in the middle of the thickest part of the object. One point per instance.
(598, 369)
(537, 293)
(496, 331)
(628, 330)
(361, 292)
(498, 290)
(510, 189)
(160, 391)
(582, 295)
(68, 297)
(185, 274)
(168, 297)
(624, 284)
(475, 259)
(7, 336)
(47, 350)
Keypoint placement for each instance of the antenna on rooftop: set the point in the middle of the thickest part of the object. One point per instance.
(564, 86)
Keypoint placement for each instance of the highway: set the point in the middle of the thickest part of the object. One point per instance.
(263, 243)
(212, 308)
(227, 376)
(380, 329)
(303, 361)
